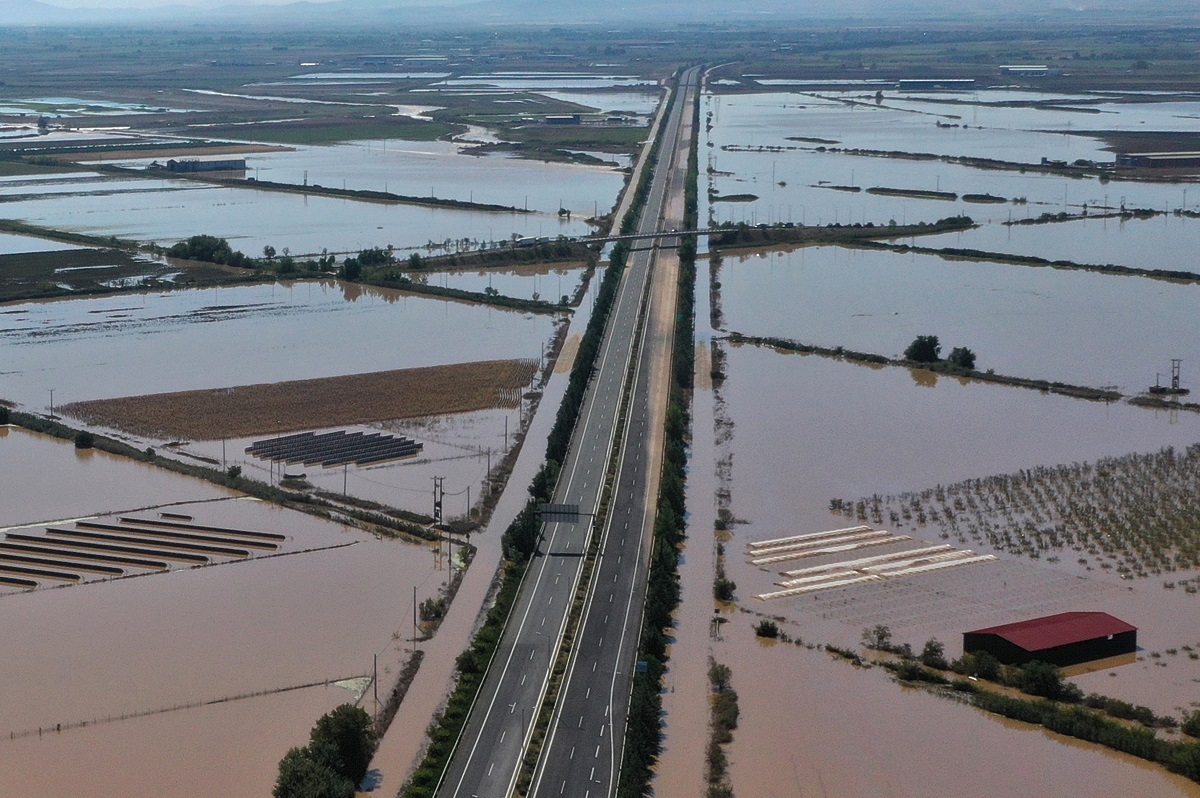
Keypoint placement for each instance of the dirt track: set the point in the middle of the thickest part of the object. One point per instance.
(249, 410)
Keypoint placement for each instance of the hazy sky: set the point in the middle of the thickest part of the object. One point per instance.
(151, 3)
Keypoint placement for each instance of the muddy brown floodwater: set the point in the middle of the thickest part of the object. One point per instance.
(792, 432)
(811, 725)
(267, 637)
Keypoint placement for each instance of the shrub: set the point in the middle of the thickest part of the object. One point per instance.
(924, 349)
(1191, 725)
(962, 357)
(767, 629)
(84, 440)
(723, 589)
(934, 654)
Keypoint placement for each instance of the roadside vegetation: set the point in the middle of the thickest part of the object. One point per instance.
(643, 733)
(335, 760)
(723, 700)
(522, 537)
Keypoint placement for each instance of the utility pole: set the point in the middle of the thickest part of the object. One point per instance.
(438, 493)
(375, 682)
(52, 413)
(414, 645)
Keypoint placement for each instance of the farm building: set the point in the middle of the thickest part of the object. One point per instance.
(1064, 639)
(197, 165)
(1159, 160)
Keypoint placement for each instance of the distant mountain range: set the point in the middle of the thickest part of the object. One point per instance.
(364, 12)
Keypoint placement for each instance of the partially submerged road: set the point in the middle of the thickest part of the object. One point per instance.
(488, 759)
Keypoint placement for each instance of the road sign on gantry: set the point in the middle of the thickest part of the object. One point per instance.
(560, 513)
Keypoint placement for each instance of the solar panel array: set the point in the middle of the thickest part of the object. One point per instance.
(91, 550)
(334, 448)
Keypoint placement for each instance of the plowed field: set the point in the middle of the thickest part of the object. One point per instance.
(248, 410)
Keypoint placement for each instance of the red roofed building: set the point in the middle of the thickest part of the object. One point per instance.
(1064, 639)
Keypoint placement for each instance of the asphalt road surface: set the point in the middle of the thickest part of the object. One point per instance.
(488, 758)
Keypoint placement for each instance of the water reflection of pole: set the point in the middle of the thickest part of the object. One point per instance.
(51, 403)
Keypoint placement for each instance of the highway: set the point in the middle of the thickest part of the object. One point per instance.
(582, 755)
(487, 761)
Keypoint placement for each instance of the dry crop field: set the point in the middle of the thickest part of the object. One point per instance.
(248, 410)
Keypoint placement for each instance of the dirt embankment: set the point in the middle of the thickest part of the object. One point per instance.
(271, 408)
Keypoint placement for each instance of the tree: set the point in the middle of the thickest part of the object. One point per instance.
(1191, 725)
(269, 252)
(962, 357)
(301, 776)
(349, 732)
(934, 654)
(767, 629)
(924, 349)
(723, 589)
(351, 269)
(1043, 679)
(878, 637)
(719, 676)
(980, 664)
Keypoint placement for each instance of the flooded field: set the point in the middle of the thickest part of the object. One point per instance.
(777, 155)
(183, 340)
(441, 169)
(811, 725)
(165, 211)
(793, 434)
(779, 491)
(17, 245)
(1076, 327)
(286, 627)
(1162, 242)
(543, 281)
